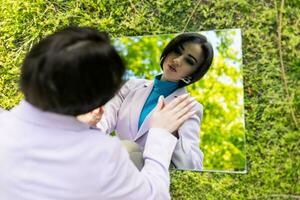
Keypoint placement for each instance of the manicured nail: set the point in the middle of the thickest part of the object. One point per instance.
(192, 99)
(161, 97)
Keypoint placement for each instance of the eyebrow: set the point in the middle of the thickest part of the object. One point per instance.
(191, 56)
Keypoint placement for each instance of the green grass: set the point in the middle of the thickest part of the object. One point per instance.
(273, 152)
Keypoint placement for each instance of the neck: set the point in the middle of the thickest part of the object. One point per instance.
(163, 78)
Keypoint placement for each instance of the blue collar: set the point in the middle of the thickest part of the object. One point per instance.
(164, 87)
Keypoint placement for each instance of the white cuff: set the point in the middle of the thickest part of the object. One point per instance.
(159, 146)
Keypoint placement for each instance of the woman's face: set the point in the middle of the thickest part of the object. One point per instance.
(182, 61)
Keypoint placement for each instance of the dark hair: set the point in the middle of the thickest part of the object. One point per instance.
(196, 38)
(72, 71)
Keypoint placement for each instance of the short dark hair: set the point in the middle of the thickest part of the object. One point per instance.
(72, 71)
(196, 38)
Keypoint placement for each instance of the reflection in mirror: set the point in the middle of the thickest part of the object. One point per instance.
(220, 92)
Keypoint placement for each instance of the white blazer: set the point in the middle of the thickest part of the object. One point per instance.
(47, 156)
(122, 113)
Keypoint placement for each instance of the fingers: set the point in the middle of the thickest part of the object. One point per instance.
(183, 118)
(187, 108)
(92, 117)
(172, 115)
(184, 104)
(97, 111)
(177, 101)
(101, 110)
(160, 103)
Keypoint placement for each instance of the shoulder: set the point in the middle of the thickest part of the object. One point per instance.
(133, 84)
(199, 106)
(6, 118)
(183, 90)
(2, 110)
(199, 109)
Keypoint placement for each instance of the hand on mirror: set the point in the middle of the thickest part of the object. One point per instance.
(91, 118)
(172, 115)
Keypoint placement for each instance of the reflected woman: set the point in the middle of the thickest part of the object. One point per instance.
(185, 60)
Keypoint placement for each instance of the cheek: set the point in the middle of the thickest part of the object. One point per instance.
(187, 71)
(165, 63)
(167, 60)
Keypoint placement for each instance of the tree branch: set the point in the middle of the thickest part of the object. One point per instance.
(282, 67)
(191, 15)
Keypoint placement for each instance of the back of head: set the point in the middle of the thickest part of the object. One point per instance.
(71, 71)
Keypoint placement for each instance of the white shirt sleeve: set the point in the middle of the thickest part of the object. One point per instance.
(152, 182)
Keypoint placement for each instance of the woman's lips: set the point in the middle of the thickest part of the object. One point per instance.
(172, 68)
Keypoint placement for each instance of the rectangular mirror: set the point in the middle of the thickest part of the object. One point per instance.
(222, 133)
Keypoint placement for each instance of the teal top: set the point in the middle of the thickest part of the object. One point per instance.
(160, 87)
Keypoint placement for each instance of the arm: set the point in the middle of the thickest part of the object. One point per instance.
(187, 153)
(152, 182)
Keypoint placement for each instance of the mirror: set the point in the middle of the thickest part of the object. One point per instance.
(220, 92)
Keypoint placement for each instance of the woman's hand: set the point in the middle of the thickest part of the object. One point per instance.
(91, 118)
(171, 116)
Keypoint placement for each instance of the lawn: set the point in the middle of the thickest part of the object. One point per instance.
(271, 75)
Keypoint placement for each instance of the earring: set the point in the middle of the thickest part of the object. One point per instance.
(162, 59)
(187, 79)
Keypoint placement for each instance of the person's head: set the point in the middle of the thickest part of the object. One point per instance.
(186, 58)
(72, 71)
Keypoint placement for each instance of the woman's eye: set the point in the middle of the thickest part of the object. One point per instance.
(190, 62)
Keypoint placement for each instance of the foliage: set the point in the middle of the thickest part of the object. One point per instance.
(272, 149)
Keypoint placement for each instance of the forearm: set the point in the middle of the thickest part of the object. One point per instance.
(157, 161)
(153, 181)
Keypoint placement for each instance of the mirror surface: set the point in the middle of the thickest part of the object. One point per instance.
(220, 92)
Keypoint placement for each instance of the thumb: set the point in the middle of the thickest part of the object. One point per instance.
(160, 103)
